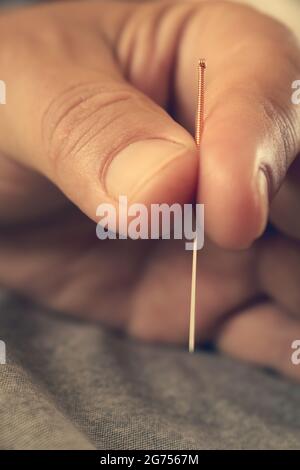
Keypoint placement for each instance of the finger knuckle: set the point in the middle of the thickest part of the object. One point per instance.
(86, 115)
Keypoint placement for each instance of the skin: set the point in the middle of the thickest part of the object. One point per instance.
(101, 102)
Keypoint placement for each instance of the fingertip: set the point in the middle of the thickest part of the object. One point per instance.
(235, 196)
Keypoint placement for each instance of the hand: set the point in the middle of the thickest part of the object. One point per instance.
(85, 119)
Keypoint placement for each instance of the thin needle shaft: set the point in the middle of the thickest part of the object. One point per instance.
(198, 134)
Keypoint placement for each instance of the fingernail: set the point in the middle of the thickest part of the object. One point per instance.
(263, 198)
(134, 166)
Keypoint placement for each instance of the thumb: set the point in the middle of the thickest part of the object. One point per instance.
(81, 124)
(249, 142)
(252, 129)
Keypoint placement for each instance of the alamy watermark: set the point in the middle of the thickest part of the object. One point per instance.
(296, 93)
(2, 353)
(138, 221)
(2, 92)
(295, 357)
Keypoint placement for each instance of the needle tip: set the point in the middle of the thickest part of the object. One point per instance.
(202, 63)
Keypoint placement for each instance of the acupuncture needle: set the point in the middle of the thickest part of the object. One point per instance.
(198, 134)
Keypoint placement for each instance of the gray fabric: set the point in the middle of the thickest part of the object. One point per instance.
(72, 385)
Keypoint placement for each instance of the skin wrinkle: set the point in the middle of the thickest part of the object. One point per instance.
(287, 135)
(73, 108)
(286, 123)
(47, 115)
(48, 112)
(73, 150)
